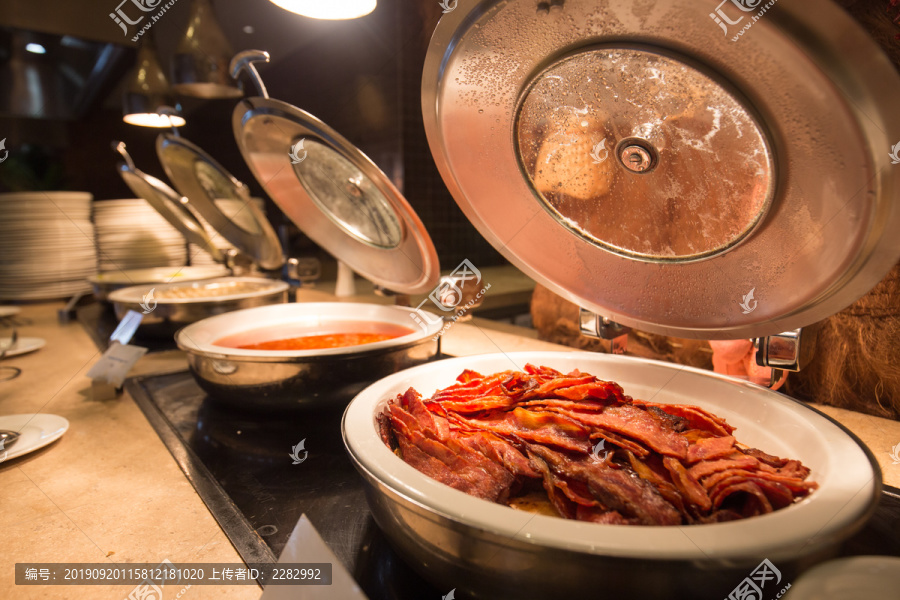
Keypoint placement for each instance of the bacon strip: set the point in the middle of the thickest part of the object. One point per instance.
(614, 488)
(696, 416)
(704, 469)
(542, 427)
(636, 424)
(689, 487)
(714, 447)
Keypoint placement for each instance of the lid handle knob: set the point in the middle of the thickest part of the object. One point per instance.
(243, 61)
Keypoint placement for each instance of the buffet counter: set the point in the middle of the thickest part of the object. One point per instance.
(109, 491)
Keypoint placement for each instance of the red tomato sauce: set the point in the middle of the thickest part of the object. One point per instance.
(336, 335)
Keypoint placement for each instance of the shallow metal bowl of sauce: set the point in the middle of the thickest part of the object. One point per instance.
(302, 378)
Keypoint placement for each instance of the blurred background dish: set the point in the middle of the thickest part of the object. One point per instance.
(104, 283)
(46, 245)
(174, 305)
(132, 235)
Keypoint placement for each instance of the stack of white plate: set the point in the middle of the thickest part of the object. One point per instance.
(235, 210)
(132, 235)
(46, 245)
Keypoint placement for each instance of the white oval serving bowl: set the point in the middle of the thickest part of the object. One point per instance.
(448, 535)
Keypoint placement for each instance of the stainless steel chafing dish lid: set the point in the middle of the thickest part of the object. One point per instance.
(167, 202)
(332, 191)
(206, 183)
(663, 173)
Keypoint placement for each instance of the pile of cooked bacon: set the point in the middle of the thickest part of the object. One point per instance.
(499, 436)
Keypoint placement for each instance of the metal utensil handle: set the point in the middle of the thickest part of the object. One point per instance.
(120, 148)
(170, 112)
(244, 61)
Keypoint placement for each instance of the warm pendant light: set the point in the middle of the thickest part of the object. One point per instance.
(200, 64)
(148, 89)
(328, 9)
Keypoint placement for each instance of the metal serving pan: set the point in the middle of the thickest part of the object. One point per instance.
(109, 281)
(171, 306)
(487, 550)
(286, 379)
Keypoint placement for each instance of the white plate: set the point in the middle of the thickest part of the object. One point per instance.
(35, 431)
(8, 311)
(24, 345)
(856, 578)
(764, 419)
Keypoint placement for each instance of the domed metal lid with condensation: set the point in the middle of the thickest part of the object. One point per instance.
(206, 184)
(167, 202)
(669, 168)
(334, 193)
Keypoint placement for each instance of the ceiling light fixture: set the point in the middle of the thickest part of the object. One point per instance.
(148, 89)
(200, 64)
(330, 9)
(35, 48)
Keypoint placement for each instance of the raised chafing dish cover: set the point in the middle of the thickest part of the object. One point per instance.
(332, 191)
(650, 169)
